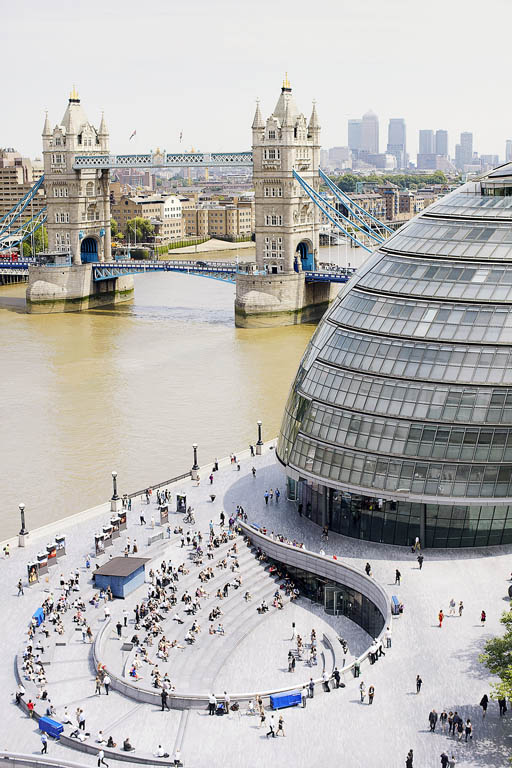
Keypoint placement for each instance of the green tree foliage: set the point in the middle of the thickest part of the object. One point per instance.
(498, 659)
(114, 228)
(347, 182)
(143, 227)
(40, 242)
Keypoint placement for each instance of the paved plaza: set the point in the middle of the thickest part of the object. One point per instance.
(334, 726)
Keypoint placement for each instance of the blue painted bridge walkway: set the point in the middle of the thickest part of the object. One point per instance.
(216, 270)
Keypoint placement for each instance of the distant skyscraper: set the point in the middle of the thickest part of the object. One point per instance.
(354, 133)
(466, 145)
(508, 151)
(397, 141)
(370, 133)
(441, 143)
(426, 142)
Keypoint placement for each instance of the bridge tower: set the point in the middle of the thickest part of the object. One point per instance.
(78, 202)
(287, 221)
(78, 220)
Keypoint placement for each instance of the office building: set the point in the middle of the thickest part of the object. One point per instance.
(441, 143)
(508, 151)
(370, 133)
(397, 141)
(426, 142)
(399, 422)
(355, 134)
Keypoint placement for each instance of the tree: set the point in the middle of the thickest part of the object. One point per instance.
(114, 228)
(40, 242)
(498, 659)
(142, 228)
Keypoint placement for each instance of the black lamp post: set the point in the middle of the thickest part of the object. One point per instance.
(260, 441)
(23, 531)
(195, 465)
(115, 497)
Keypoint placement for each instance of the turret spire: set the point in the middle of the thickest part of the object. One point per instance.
(73, 96)
(46, 128)
(103, 130)
(258, 123)
(313, 120)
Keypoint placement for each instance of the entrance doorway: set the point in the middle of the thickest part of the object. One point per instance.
(89, 250)
(333, 600)
(307, 259)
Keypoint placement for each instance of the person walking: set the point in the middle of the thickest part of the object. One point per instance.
(280, 726)
(336, 676)
(101, 758)
(443, 717)
(461, 608)
(106, 683)
(44, 744)
(398, 576)
(484, 703)
(440, 617)
(266, 496)
(253, 470)
(368, 569)
(432, 719)
(420, 559)
(502, 702)
(483, 617)
(419, 683)
(271, 728)
(452, 613)
(468, 729)
(452, 762)
(325, 682)
(409, 759)
(278, 494)
(371, 694)
(304, 697)
(311, 688)
(444, 760)
(20, 588)
(81, 719)
(98, 685)
(164, 696)
(212, 704)
(119, 628)
(362, 691)
(450, 723)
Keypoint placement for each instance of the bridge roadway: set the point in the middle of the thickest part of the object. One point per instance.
(165, 160)
(217, 270)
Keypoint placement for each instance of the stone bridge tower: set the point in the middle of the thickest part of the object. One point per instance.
(287, 221)
(78, 220)
(78, 201)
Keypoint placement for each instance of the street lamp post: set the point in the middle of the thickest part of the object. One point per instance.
(259, 442)
(23, 534)
(116, 503)
(195, 465)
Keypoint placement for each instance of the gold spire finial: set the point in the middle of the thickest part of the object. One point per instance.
(286, 82)
(73, 96)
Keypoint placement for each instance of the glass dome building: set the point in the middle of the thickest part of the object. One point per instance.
(399, 421)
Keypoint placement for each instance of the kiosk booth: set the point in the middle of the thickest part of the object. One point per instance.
(181, 502)
(42, 562)
(51, 549)
(121, 574)
(99, 544)
(60, 543)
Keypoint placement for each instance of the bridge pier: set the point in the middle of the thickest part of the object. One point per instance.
(72, 289)
(263, 301)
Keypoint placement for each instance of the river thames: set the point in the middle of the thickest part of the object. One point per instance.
(130, 388)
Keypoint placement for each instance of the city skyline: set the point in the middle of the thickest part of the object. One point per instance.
(184, 94)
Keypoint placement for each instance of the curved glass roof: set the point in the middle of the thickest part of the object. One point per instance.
(407, 383)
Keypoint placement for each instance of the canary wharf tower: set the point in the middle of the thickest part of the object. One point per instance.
(399, 421)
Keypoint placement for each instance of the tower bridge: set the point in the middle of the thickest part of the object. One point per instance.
(284, 285)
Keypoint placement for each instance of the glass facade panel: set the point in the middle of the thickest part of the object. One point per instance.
(406, 387)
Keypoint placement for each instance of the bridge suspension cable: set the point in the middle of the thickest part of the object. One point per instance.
(17, 210)
(351, 204)
(332, 213)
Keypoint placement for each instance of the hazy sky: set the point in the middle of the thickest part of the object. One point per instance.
(197, 66)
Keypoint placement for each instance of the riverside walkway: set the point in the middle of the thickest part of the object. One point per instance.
(332, 727)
